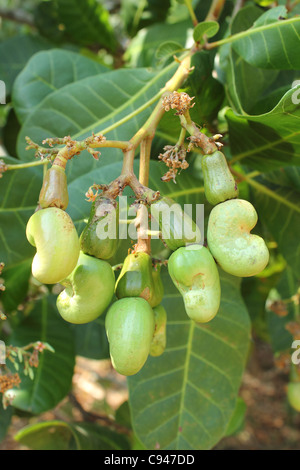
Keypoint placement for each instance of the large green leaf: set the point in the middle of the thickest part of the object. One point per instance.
(92, 105)
(53, 377)
(271, 42)
(208, 92)
(45, 73)
(268, 141)
(185, 398)
(245, 83)
(15, 52)
(58, 435)
(250, 89)
(91, 340)
(278, 207)
(19, 196)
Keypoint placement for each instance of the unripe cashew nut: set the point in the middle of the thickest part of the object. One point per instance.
(236, 250)
(89, 290)
(53, 234)
(195, 274)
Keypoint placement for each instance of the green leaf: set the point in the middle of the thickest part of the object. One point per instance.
(238, 418)
(5, 420)
(185, 398)
(271, 42)
(141, 51)
(16, 281)
(15, 52)
(245, 83)
(278, 208)
(53, 377)
(47, 22)
(58, 435)
(19, 196)
(208, 92)
(136, 15)
(94, 104)
(287, 287)
(167, 50)
(268, 141)
(205, 28)
(91, 340)
(47, 72)
(10, 132)
(86, 22)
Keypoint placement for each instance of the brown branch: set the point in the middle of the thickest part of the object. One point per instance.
(18, 16)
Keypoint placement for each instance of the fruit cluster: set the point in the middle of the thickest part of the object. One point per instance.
(136, 321)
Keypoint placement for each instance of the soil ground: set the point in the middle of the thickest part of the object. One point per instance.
(269, 424)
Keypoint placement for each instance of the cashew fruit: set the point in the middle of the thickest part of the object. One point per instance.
(235, 249)
(129, 327)
(177, 228)
(158, 286)
(100, 236)
(159, 340)
(293, 395)
(89, 290)
(219, 183)
(195, 274)
(136, 279)
(54, 192)
(53, 234)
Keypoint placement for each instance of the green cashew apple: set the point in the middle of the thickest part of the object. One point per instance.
(159, 340)
(136, 279)
(293, 395)
(158, 286)
(219, 184)
(100, 236)
(54, 192)
(89, 290)
(236, 250)
(195, 274)
(53, 234)
(129, 326)
(177, 228)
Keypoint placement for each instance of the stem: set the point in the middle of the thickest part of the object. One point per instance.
(181, 138)
(188, 4)
(145, 160)
(127, 169)
(175, 82)
(215, 10)
(139, 12)
(21, 166)
(144, 244)
(248, 32)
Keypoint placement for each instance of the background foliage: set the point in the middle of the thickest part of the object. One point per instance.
(73, 67)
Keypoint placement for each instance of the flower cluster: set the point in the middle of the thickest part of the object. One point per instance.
(174, 158)
(182, 102)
